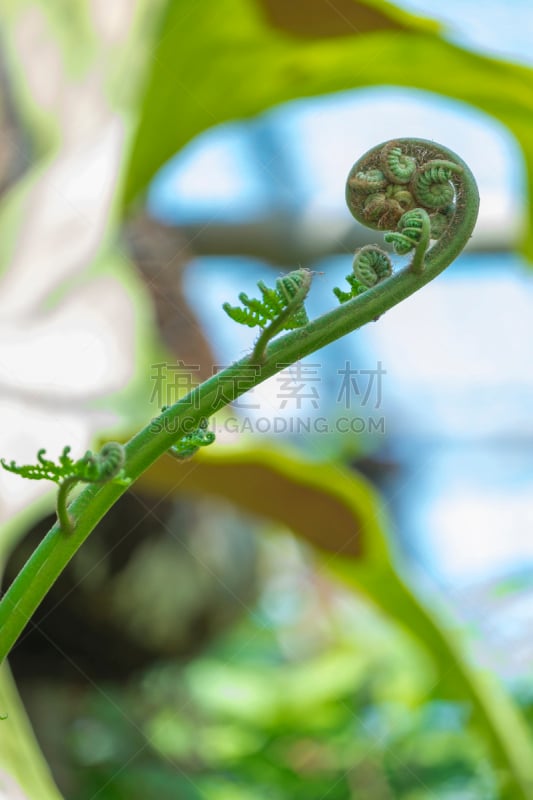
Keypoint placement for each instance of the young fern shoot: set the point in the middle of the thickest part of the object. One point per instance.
(370, 266)
(423, 194)
(190, 443)
(282, 307)
(410, 188)
(425, 197)
(102, 467)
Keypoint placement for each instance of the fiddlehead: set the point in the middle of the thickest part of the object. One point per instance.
(413, 232)
(278, 309)
(102, 467)
(397, 165)
(412, 188)
(370, 266)
(412, 173)
(190, 443)
(431, 184)
(258, 313)
(373, 180)
(384, 208)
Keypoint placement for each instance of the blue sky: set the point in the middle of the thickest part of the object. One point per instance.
(493, 27)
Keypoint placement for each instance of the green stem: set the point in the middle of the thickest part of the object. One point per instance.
(418, 260)
(65, 520)
(56, 550)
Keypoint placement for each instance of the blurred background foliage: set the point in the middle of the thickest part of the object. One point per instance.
(185, 653)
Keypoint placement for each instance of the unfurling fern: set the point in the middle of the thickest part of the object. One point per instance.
(370, 266)
(190, 443)
(102, 467)
(413, 226)
(259, 313)
(99, 467)
(280, 309)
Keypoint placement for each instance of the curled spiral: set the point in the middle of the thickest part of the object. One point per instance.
(400, 175)
(105, 465)
(397, 165)
(411, 228)
(288, 287)
(190, 443)
(386, 208)
(431, 185)
(411, 188)
(371, 265)
(370, 181)
(91, 468)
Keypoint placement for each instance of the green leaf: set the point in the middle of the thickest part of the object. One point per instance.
(338, 512)
(220, 60)
(22, 767)
(216, 61)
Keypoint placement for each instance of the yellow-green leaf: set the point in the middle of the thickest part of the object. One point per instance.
(222, 59)
(337, 511)
(23, 771)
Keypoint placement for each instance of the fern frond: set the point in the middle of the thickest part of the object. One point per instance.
(189, 444)
(259, 312)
